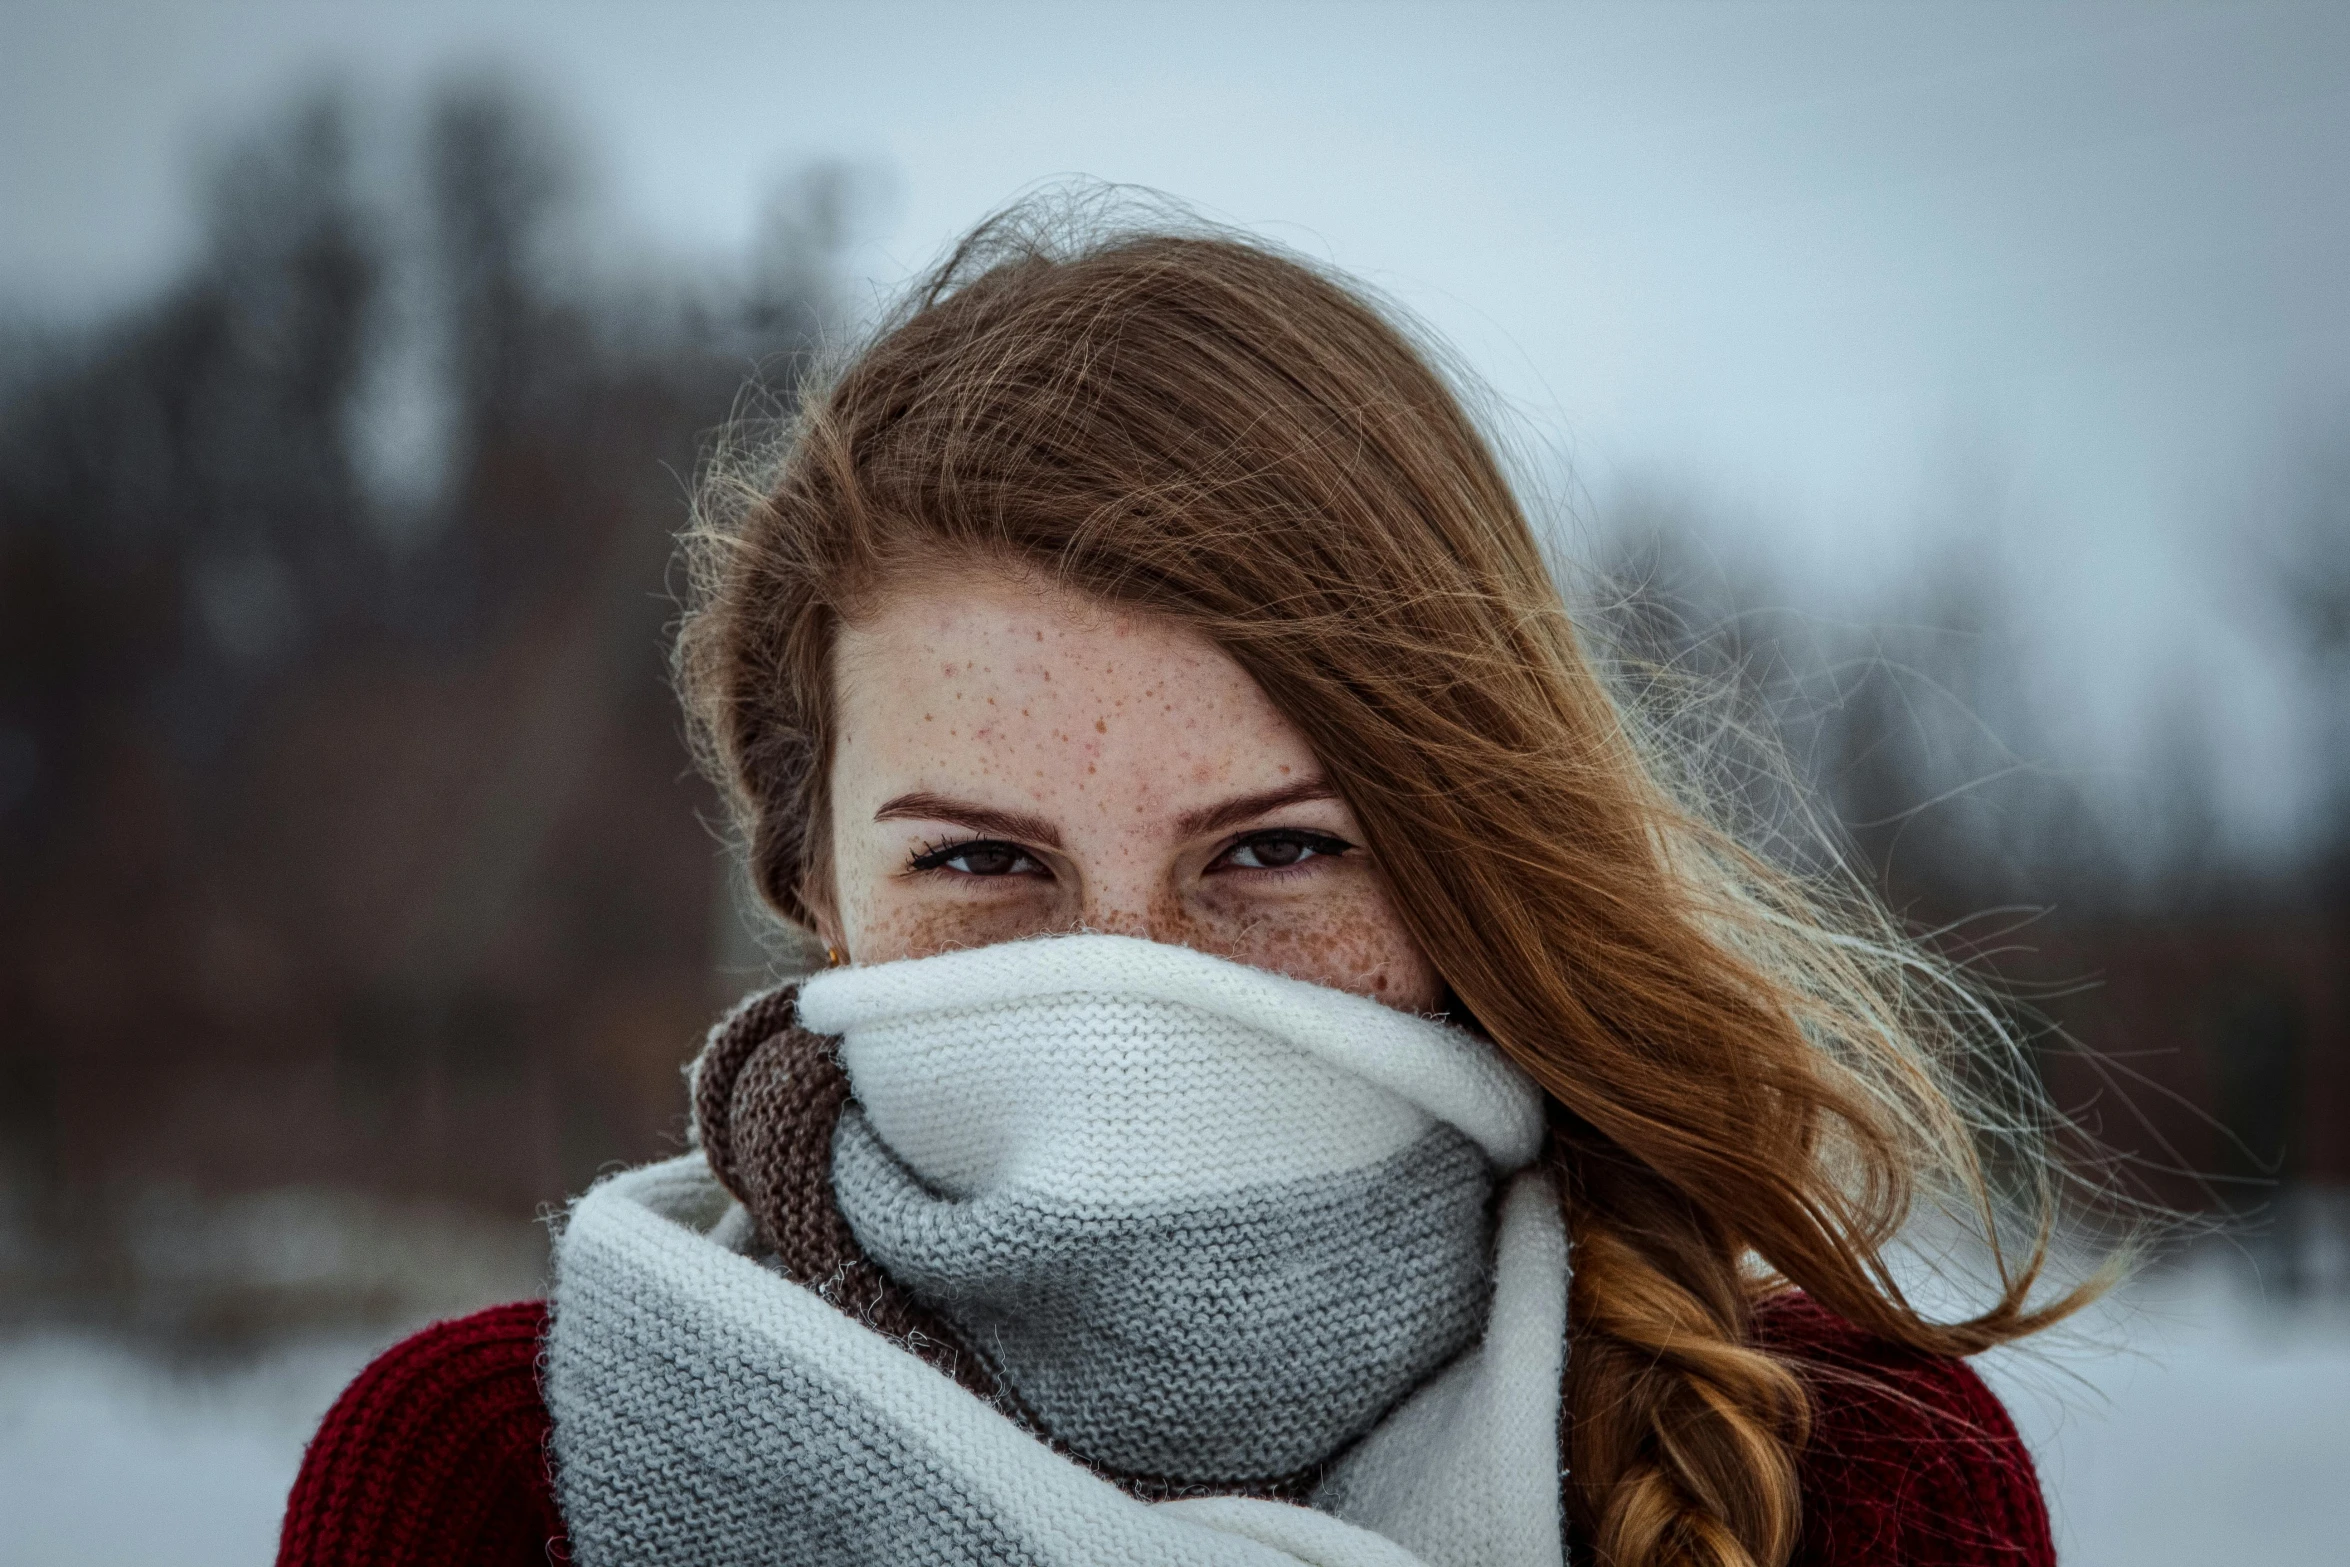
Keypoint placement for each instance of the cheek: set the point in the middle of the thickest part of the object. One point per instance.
(1353, 942)
(887, 928)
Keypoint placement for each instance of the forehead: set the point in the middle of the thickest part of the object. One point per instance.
(1022, 679)
(1013, 627)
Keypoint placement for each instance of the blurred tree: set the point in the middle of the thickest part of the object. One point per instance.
(2312, 584)
(1938, 763)
(174, 494)
(500, 179)
(339, 847)
(2191, 1010)
(1905, 744)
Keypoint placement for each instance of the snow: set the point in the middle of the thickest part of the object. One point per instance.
(108, 1456)
(2191, 1422)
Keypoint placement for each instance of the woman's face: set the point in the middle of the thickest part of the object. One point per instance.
(1014, 759)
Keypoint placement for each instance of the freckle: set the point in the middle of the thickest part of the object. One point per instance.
(1285, 767)
(1089, 767)
(1100, 728)
(926, 718)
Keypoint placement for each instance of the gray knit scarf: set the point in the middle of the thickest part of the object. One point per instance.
(1123, 1250)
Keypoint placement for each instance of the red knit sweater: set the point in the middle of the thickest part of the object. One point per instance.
(436, 1456)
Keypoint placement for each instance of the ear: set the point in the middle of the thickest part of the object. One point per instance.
(814, 887)
(815, 891)
(826, 926)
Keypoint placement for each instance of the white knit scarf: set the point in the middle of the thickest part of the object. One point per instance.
(1204, 1222)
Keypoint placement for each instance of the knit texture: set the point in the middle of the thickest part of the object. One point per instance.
(436, 1454)
(1132, 1097)
(1912, 1460)
(1368, 1069)
(767, 1097)
(706, 1410)
(1152, 1190)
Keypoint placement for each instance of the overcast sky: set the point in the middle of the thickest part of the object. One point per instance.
(2058, 284)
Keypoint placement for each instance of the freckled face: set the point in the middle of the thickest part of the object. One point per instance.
(1014, 759)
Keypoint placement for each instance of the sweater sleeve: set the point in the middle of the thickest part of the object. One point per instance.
(1911, 1459)
(436, 1454)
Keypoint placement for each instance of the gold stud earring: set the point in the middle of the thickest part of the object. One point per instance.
(832, 957)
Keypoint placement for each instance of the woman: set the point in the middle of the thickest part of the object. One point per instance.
(1261, 952)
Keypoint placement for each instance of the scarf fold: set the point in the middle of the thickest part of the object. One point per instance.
(1113, 1243)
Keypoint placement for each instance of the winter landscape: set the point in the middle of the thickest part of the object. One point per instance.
(1958, 404)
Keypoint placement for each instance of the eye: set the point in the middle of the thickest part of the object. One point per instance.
(978, 857)
(1278, 850)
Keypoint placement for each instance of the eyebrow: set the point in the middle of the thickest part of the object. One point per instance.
(1246, 807)
(922, 805)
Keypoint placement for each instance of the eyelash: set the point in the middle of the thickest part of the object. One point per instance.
(1320, 845)
(934, 856)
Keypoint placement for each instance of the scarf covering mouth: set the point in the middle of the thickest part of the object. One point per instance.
(1201, 1227)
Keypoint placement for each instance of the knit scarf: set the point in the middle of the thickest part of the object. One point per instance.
(1120, 1251)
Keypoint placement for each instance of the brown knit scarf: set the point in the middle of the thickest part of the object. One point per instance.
(767, 1094)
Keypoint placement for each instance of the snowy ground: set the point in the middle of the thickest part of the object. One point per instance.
(2217, 1431)
(107, 1457)
(2188, 1423)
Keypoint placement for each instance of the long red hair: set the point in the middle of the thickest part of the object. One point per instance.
(1753, 1077)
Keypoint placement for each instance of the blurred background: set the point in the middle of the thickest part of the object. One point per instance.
(1963, 390)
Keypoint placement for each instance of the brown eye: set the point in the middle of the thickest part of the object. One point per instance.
(1278, 851)
(987, 859)
(980, 857)
(1274, 853)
